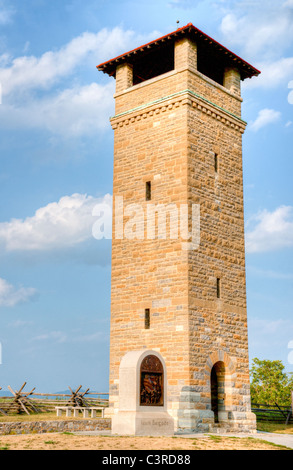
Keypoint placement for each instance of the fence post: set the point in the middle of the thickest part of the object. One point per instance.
(291, 411)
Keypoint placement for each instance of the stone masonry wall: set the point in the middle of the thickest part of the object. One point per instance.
(218, 324)
(41, 427)
(150, 273)
(167, 131)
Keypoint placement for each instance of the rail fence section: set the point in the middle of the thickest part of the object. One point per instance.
(20, 402)
(34, 402)
(273, 413)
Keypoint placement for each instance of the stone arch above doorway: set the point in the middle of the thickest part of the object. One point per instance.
(220, 369)
(221, 356)
(234, 411)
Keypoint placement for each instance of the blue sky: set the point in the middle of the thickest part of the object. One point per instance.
(56, 159)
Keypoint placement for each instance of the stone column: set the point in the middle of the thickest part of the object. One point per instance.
(124, 77)
(232, 80)
(185, 54)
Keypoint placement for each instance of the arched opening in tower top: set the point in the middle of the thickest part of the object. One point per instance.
(158, 61)
(209, 63)
(153, 63)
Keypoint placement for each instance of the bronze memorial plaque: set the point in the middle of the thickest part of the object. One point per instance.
(151, 382)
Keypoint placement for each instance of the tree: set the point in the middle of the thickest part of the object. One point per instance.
(270, 384)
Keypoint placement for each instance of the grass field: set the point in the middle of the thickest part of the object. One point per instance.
(50, 416)
(68, 441)
(275, 427)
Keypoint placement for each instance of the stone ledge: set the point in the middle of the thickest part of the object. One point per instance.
(167, 103)
(42, 427)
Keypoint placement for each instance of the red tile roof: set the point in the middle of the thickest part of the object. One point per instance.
(246, 70)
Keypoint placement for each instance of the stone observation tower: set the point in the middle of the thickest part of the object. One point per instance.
(179, 346)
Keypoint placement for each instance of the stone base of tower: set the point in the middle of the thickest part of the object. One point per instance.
(188, 422)
(142, 424)
(238, 422)
(198, 421)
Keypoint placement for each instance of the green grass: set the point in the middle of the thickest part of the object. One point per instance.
(215, 438)
(45, 416)
(268, 426)
(6, 447)
(14, 417)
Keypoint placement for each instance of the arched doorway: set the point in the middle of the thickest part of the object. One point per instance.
(218, 389)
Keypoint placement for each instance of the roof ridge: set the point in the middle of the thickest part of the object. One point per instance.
(112, 63)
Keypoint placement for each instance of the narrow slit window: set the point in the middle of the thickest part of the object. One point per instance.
(218, 288)
(216, 163)
(148, 191)
(147, 319)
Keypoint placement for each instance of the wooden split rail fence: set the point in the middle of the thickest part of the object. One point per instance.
(273, 413)
(32, 402)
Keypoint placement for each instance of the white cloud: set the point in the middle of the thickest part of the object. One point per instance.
(264, 118)
(93, 337)
(270, 274)
(20, 324)
(264, 334)
(271, 326)
(288, 3)
(290, 96)
(56, 336)
(6, 14)
(80, 111)
(61, 337)
(58, 225)
(259, 29)
(273, 74)
(270, 339)
(4, 59)
(182, 4)
(11, 296)
(262, 33)
(30, 72)
(271, 231)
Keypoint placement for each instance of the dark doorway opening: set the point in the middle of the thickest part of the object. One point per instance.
(218, 389)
